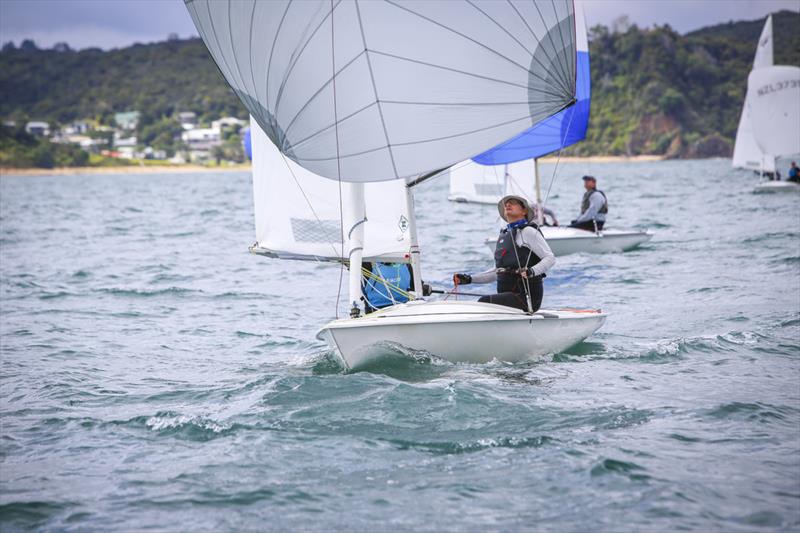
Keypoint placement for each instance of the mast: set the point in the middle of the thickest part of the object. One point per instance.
(539, 207)
(414, 243)
(355, 240)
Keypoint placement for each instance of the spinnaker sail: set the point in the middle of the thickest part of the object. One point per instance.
(372, 91)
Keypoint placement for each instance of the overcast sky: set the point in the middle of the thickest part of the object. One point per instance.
(115, 23)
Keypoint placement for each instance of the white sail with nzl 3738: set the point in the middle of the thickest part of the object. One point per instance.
(370, 95)
(768, 127)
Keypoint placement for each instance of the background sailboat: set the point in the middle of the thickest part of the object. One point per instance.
(513, 168)
(346, 92)
(759, 140)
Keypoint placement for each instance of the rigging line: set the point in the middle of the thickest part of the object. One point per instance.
(558, 158)
(338, 161)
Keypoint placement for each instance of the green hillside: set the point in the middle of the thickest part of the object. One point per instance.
(654, 91)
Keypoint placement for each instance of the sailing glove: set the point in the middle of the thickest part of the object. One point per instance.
(462, 279)
(529, 273)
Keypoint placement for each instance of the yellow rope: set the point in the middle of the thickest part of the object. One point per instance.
(395, 288)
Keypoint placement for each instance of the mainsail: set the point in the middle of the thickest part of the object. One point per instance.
(746, 152)
(372, 91)
(486, 184)
(774, 102)
(298, 214)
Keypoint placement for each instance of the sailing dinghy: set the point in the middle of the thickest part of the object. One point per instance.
(513, 168)
(770, 115)
(388, 94)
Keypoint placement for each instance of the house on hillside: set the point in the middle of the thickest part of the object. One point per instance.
(77, 128)
(201, 142)
(126, 146)
(42, 129)
(127, 120)
(227, 123)
(187, 119)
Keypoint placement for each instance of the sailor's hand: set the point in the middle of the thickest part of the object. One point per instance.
(462, 279)
(526, 273)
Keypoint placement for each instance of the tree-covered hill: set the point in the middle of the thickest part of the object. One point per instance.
(654, 91)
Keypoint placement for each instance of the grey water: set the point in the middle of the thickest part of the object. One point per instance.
(154, 375)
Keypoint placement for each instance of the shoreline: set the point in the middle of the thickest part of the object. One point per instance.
(132, 169)
(181, 169)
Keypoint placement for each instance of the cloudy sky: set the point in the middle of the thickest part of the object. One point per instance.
(115, 23)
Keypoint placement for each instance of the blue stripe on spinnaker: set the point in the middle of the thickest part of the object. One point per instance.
(247, 144)
(563, 129)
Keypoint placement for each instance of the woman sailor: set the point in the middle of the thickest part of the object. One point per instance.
(522, 258)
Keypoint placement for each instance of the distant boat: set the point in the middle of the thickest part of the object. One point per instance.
(513, 167)
(768, 128)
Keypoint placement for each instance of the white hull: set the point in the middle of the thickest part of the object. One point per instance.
(777, 186)
(468, 332)
(564, 240)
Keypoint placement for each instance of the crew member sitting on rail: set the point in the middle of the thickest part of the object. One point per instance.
(593, 207)
(521, 258)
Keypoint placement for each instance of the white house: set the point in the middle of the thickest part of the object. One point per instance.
(38, 128)
(228, 123)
